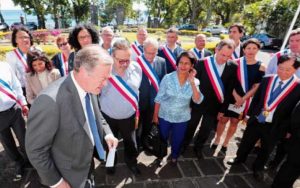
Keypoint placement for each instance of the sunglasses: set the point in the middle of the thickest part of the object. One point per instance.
(62, 44)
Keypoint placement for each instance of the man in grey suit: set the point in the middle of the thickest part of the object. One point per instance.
(65, 123)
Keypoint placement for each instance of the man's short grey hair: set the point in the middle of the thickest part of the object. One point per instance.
(226, 42)
(91, 56)
(150, 42)
(120, 44)
(107, 29)
(142, 28)
(200, 35)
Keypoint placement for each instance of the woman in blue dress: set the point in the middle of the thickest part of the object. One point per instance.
(172, 110)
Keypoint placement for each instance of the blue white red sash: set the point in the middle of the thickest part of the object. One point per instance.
(64, 64)
(149, 71)
(242, 73)
(7, 90)
(22, 58)
(123, 88)
(136, 49)
(170, 56)
(214, 77)
(198, 54)
(281, 53)
(269, 106)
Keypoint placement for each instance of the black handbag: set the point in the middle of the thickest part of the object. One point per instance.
(154, 144)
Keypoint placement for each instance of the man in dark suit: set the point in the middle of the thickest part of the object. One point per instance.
(269, 113)
(290, 169)
(148, 88)
(217, 77)
(199, 50)
(65, 123)
(170, 51)
(236, 32)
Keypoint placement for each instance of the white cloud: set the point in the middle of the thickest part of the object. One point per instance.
(8, 5)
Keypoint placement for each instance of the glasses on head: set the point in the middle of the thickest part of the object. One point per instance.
(84, 37)
(123, 61)
(62, 44)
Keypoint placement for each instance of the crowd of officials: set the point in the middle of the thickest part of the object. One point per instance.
(83, 99)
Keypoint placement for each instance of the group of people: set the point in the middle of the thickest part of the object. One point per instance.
(103, 91)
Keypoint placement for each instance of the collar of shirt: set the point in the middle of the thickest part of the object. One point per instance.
(284, 82)
(172, 50)
(81, 92)
(238, 50)
(220, 67)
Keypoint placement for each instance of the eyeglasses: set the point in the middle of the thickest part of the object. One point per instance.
(62, 44)
(122, 61)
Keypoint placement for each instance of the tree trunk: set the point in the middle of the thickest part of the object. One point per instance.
(120, 15)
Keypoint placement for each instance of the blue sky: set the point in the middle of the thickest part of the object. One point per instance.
(8, 5)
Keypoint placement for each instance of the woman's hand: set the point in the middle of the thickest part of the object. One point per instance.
(192, 75)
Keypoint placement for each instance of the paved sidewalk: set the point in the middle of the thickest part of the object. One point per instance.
(209, 172)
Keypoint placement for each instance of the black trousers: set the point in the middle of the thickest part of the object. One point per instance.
(145, 123)
(208, 123)
(286, 176)
(127, 130)
(12, 119)
(252, 134)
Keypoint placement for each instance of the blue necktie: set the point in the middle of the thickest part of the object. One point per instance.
(276, 92)
(141, 48)
(93, 126)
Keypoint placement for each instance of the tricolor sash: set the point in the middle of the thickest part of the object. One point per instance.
(197, 53)
(22, 58)
(170, 56)
(123, 88)
(64, 64)
(214, 78)
(149, 71)
(136, 49)
(7, 90)
(242, 73)
(269, 105)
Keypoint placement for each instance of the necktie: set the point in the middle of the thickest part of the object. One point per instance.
(276, 92)
(94, 128)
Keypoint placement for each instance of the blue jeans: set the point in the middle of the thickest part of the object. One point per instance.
(177, 131)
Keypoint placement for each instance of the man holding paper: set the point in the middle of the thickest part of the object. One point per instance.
(65, 126)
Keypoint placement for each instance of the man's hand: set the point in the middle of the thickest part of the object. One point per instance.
(63, 184)
(112, 142)
(25, 110)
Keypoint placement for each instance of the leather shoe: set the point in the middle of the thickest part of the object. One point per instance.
(135, 170)
(234, 162)
(214, 146)
(19, 171)
(258, 175)
(110, 170)
(198, 153)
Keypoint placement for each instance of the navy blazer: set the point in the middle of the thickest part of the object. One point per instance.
(281, 118)
(211, 104)
(177, 52)
(147, 91)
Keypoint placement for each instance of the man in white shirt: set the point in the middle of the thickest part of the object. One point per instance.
(107, 36)
(199, 50)
(11, 97)
(294, 45)
(236, 32)
(137, 46)
(65, 126)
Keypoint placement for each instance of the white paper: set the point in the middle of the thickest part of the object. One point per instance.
(235, 109)
(110, 158)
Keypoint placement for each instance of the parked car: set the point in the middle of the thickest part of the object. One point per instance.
(15, 25)
(216, 30)
(31, 26)
(4, 26)
(268, 40)
(191, 27)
